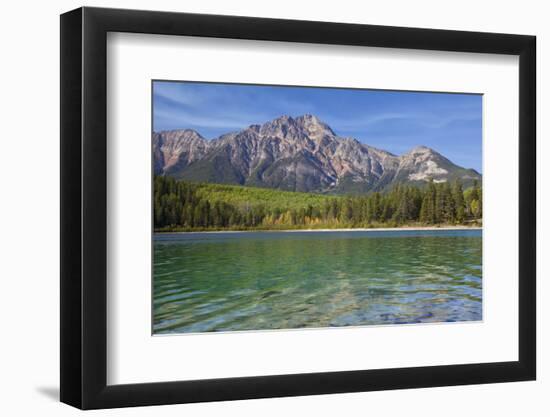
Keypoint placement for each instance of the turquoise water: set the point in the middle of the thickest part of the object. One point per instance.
(204, 282)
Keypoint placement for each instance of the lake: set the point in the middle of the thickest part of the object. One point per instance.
(205, 282)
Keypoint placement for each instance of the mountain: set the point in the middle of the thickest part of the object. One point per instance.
(297, 154)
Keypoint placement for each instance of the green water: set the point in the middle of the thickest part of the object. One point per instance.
(207, 282)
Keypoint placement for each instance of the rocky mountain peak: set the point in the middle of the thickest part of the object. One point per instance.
(281, 126)
(420, 150)
(175, 148)
(314, 126)
(180, 135)
(297, 154)
(255, 128)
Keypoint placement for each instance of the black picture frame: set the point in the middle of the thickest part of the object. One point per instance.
(84, 207)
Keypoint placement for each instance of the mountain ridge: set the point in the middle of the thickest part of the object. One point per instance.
(297, 154)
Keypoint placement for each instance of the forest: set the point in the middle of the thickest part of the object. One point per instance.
(184, 206)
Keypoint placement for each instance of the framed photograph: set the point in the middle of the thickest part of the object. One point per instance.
(257, 208)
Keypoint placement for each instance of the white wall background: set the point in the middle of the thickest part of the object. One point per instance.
(29, 209)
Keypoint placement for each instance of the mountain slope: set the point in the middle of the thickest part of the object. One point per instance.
(297, 154)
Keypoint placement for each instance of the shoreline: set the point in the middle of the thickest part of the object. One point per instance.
(359, 229)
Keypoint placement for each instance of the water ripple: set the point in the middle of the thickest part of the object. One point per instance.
(255, 281)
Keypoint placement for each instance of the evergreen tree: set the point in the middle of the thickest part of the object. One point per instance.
(180, 204)
(448, 214)
(458, 196)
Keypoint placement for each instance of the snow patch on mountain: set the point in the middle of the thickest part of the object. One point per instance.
(429, 170)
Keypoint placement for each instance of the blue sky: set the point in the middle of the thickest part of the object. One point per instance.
(395, 121)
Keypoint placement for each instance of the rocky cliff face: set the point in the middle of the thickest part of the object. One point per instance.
(174, 150)
(296, 154)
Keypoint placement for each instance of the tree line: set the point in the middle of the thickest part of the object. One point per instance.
(181, 205)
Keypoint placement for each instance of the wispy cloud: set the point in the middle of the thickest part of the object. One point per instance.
(438, 122)
(178, 96)
(368, 120)
(428, 120)
(184, 119)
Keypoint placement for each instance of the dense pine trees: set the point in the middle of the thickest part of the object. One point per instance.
(180, 205)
